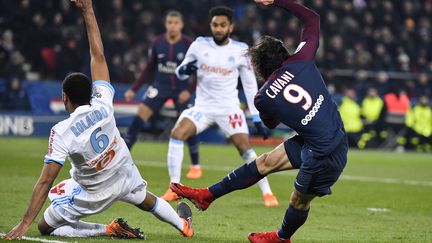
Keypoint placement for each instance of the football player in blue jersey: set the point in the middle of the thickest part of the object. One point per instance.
(165, 54)
(294, 94)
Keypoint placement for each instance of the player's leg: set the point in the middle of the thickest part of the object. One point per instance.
(147, 201)
(151, 103)
(316, 176)
(190, 122)
(195, 171)
(240, 178)
(58, 221)
(241, 142)
(164, 212)
(78, 229)
(143, 115)
(182, 130)
(234, 125)
(295, 216)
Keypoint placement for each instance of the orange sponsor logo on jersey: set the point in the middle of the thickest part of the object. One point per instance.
(218, 70)
(102, 161)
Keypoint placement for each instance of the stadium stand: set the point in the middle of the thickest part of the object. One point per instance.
(379, 44)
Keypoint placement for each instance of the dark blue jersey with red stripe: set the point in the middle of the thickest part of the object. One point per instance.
(296, 95)
(163, 59)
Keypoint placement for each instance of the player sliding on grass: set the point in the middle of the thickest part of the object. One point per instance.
(102, 168)
(219, 61)
(295, 95)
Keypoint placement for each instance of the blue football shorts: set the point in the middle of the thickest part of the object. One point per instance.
(316, 174)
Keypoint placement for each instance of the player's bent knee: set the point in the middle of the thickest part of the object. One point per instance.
(44, 228)
(300, 200)
(144, 112)
(264, 164)
(270, 163)
(179, 134)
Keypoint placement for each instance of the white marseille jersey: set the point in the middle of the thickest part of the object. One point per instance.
(219, 68)
(91, 141)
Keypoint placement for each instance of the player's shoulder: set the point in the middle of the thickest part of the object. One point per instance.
(239, 44)
(186, 39)
(203, 40)
(158, 39)
(60, 127)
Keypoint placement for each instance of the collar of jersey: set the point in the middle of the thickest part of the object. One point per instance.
(216, 45)
(80, 109)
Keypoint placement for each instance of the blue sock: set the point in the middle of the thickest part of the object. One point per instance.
(242, 177)
(133, 131)
(193, 149)
(293, 219)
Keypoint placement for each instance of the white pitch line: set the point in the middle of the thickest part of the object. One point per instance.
(37, 239)
(227, 169)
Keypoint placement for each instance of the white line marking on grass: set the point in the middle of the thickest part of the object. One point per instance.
(37, 239)
(384, 210)
(228, 169)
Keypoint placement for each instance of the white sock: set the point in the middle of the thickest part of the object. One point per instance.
(175, 159)
(81, 229)
(263, 184)
(163, 211)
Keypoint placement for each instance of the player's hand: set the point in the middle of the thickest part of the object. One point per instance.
(17, 232)
(84, 5)
(184, 96)
(264, 2)
(129, 95)
(189, 68)
(265, 132)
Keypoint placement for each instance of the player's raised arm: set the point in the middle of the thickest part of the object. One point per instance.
(311, 27)
(98, 65)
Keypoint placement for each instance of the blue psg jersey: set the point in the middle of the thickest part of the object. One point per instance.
(296, 96)
(163, 59)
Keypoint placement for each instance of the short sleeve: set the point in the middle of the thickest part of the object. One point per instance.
(103, 92)
(57, 151)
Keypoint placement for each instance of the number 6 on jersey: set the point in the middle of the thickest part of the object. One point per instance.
(99, 143)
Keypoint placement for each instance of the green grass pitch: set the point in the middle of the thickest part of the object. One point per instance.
(400, 183)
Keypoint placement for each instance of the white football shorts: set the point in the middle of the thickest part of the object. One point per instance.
(230, 120)
(70, 202)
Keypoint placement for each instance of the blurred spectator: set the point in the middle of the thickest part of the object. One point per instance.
(16, 97)
(375, 35)
(419, 123)
(371, 109)
(397, 105)
(350, 113)
(372, 105)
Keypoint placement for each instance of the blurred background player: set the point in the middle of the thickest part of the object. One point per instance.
(103, 171)
(218, 61)
(295, 95)
(165, 54)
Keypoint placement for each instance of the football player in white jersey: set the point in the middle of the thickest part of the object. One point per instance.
(103, 171)
(218, 62)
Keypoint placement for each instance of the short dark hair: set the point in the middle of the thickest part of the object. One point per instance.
(174, 13)
(267, 56)
(222, 11)
(78, 88)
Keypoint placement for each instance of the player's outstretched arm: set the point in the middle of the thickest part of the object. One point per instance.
(98, 65)
(311, 26)
(39, 195)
